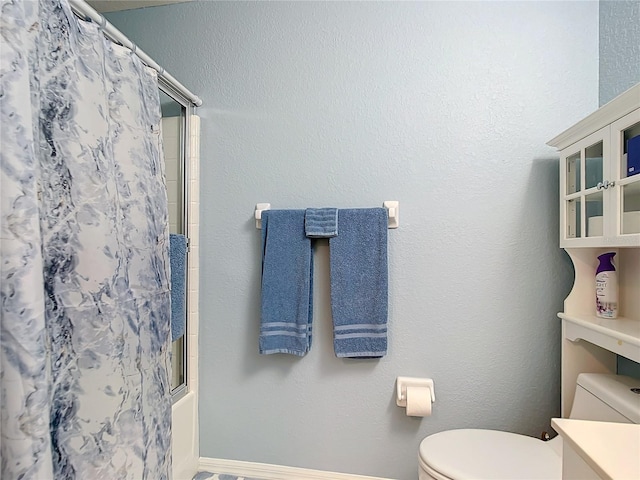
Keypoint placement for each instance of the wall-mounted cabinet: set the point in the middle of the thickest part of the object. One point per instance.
(600, 212)
(600, 196)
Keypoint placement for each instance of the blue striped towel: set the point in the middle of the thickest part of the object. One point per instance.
(178, 263)
(321, 222)
(359, 283)
(287, 276)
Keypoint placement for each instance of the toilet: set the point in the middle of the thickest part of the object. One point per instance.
(491, 454)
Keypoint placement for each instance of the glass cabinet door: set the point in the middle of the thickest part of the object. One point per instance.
(584, 188)
(626, 163)
(573, 205)
(594, 198)
(593, 165)
(600, 177)
(594, 214)
(573, 218)
(573, 173)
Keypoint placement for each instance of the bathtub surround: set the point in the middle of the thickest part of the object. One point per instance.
(444, 106)
(85, 339)
(184, 412)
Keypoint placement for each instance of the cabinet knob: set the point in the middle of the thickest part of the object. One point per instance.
(606, 184)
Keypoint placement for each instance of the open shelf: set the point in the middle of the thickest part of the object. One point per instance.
(620, 335)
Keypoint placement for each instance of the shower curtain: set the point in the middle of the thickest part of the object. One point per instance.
(85, 333)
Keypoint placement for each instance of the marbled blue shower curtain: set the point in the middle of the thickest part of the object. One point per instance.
(84, 336)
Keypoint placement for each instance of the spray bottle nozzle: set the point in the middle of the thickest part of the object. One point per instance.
(606, 262)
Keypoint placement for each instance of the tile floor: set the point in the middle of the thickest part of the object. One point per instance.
(219, 476)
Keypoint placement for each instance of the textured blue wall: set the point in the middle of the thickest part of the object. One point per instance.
(443, 106)
(619, 70)
(619, 47)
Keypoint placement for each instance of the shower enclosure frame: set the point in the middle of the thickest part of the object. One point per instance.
(186, 133)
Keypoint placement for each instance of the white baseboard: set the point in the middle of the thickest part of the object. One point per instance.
(273, 472)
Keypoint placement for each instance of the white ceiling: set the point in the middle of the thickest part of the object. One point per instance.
(104, 6)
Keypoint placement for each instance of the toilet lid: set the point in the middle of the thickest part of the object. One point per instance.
(489, 454)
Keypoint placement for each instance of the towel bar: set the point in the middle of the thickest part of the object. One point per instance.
(392, 206)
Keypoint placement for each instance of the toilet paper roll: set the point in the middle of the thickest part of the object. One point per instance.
(418, 401)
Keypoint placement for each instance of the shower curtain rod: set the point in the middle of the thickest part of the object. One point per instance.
(83, 9)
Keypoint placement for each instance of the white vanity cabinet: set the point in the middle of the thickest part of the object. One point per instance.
(598, 450)
(599, 212)
(599, 197)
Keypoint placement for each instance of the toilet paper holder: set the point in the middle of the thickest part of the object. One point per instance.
(403, 382)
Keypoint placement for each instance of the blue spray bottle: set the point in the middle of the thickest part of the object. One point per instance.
(606, 287)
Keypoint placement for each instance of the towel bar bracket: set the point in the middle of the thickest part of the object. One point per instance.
(393, 209)
(260, 207)
(392, 206)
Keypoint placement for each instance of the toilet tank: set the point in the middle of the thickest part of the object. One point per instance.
(606, 398)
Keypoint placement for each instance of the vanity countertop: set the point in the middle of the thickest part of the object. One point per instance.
(612, 450)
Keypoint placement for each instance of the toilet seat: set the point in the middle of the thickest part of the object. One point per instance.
(488, 454)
